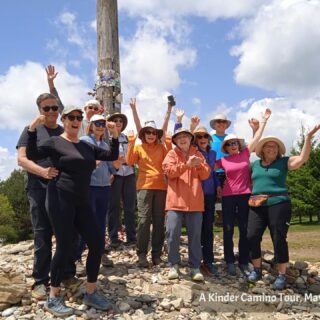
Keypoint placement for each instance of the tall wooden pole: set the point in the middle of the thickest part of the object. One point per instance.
(108, 87)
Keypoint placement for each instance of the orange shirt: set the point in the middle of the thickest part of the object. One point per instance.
(149, 159)
(184, 183)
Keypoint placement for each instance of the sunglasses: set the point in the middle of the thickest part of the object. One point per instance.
(47, 108)
(71, 117)
(94, 108)
(221, 121)
(232, 143)
(151, 132)
(118, 120)
(100, 124)
(200, 136)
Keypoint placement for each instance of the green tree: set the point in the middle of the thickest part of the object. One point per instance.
(8, 232)
(14, 189)
(304, 183)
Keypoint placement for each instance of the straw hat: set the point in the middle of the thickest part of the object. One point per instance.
(219, 116)
(124, 118)
(150, 125)
(232, 137)
(202, 130)
(182, 130)
(282, 148)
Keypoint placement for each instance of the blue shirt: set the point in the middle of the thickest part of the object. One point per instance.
(216, 146)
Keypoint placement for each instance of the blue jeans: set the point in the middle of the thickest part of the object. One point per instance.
(193, 222)
(235, 206)
(207, 228)
(99, 200)
(123, 187)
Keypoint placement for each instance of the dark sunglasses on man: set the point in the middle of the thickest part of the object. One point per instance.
(47, 108)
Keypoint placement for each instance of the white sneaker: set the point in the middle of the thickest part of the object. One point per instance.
(196, 275)
(173, 272)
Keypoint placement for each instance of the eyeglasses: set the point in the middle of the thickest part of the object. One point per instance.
(232, 143)
(151, 132)
(118, 120)
(100, 124)
(200, 136)
(71, 117)
(47, 108)
(92, 107)
(221, 121)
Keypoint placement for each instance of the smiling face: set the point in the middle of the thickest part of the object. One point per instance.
(270, 151)
(49, 108)
(232, 146)
(150, 135)
(98, 128)
(220, 126)
(72, 122)
(91, 110)
(183, 141)
(119, 123)
(202, 140)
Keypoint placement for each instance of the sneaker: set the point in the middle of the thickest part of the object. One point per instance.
(97, 301)
(244, 268)
(255, 275)
(39, 292)
(57, 307)
(280, 282)
(106, 262)
(210, 269)
(231, 269)
(173, 272)
(72, 283)
(196, 275)
(143, 261)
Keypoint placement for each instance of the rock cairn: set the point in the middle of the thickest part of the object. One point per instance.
(147, 294)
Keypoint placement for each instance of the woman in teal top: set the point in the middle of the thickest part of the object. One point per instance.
(269, 178)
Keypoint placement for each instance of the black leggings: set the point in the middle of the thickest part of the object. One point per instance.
(66, 213)
(277, 219)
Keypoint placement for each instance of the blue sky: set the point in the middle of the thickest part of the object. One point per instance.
(232, 57)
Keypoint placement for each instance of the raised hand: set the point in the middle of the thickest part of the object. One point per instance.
(133, 103)
(254, 124)
(266, 115)
(312, 132)
(51, 73)
(112, 129)
(179, 115)
(194, 121)
(40, 119)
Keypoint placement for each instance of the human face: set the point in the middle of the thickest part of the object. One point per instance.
(183, 141)
(52, 114)
(72, 122)
(202, 140)
(119, 123)
(150, 136)
(220, 126)
(232, 146)
(270, 151)
(98, 128)
(91, 110)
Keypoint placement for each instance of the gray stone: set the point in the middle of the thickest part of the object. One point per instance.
(8, 312)
(314, 288)
(124, 307)
(177, 303)
(300, 265)
(182, 291)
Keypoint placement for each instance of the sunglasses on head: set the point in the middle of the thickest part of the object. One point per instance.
(47, 108)
(92, 107)
(100, 124)
(151, 132)
(232, 143)
(72, 117)
(204, 136)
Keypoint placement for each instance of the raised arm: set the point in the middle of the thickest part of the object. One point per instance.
(194, 121)
(132, 155)
(179, 116)
(257, 136)
(51, 75)
(167, 117)
(295, 162)
(133, 105)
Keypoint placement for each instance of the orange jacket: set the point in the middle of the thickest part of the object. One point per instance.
(149, 159)
(184, 183)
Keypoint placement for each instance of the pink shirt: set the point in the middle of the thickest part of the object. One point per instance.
(237, 169)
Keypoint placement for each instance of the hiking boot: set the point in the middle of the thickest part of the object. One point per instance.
(143, 261)
(196, 275)
(97, 301)
(255, 275)
(210, 269)
(57, 307)
(72, 283)
(106, 262)
(80, 269)
(39, 292)
(173, 272)
(280, 282)
(244, 268)
(231, 269)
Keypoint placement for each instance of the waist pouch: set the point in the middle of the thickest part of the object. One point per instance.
(258, 199)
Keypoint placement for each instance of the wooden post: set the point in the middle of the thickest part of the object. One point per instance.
(108, 87)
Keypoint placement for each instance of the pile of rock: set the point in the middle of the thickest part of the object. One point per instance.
(147, 294)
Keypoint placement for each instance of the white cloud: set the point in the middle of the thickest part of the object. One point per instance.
(196, 101)
(210, 9)
(280, 48)
(8, 162)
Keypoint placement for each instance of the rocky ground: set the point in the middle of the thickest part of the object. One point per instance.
(147, 294)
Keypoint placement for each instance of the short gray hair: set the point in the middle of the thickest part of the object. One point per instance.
(45, 96)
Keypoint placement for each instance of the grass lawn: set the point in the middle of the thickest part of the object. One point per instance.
(303, 240)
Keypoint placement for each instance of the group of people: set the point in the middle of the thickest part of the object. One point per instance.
(79, 174)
